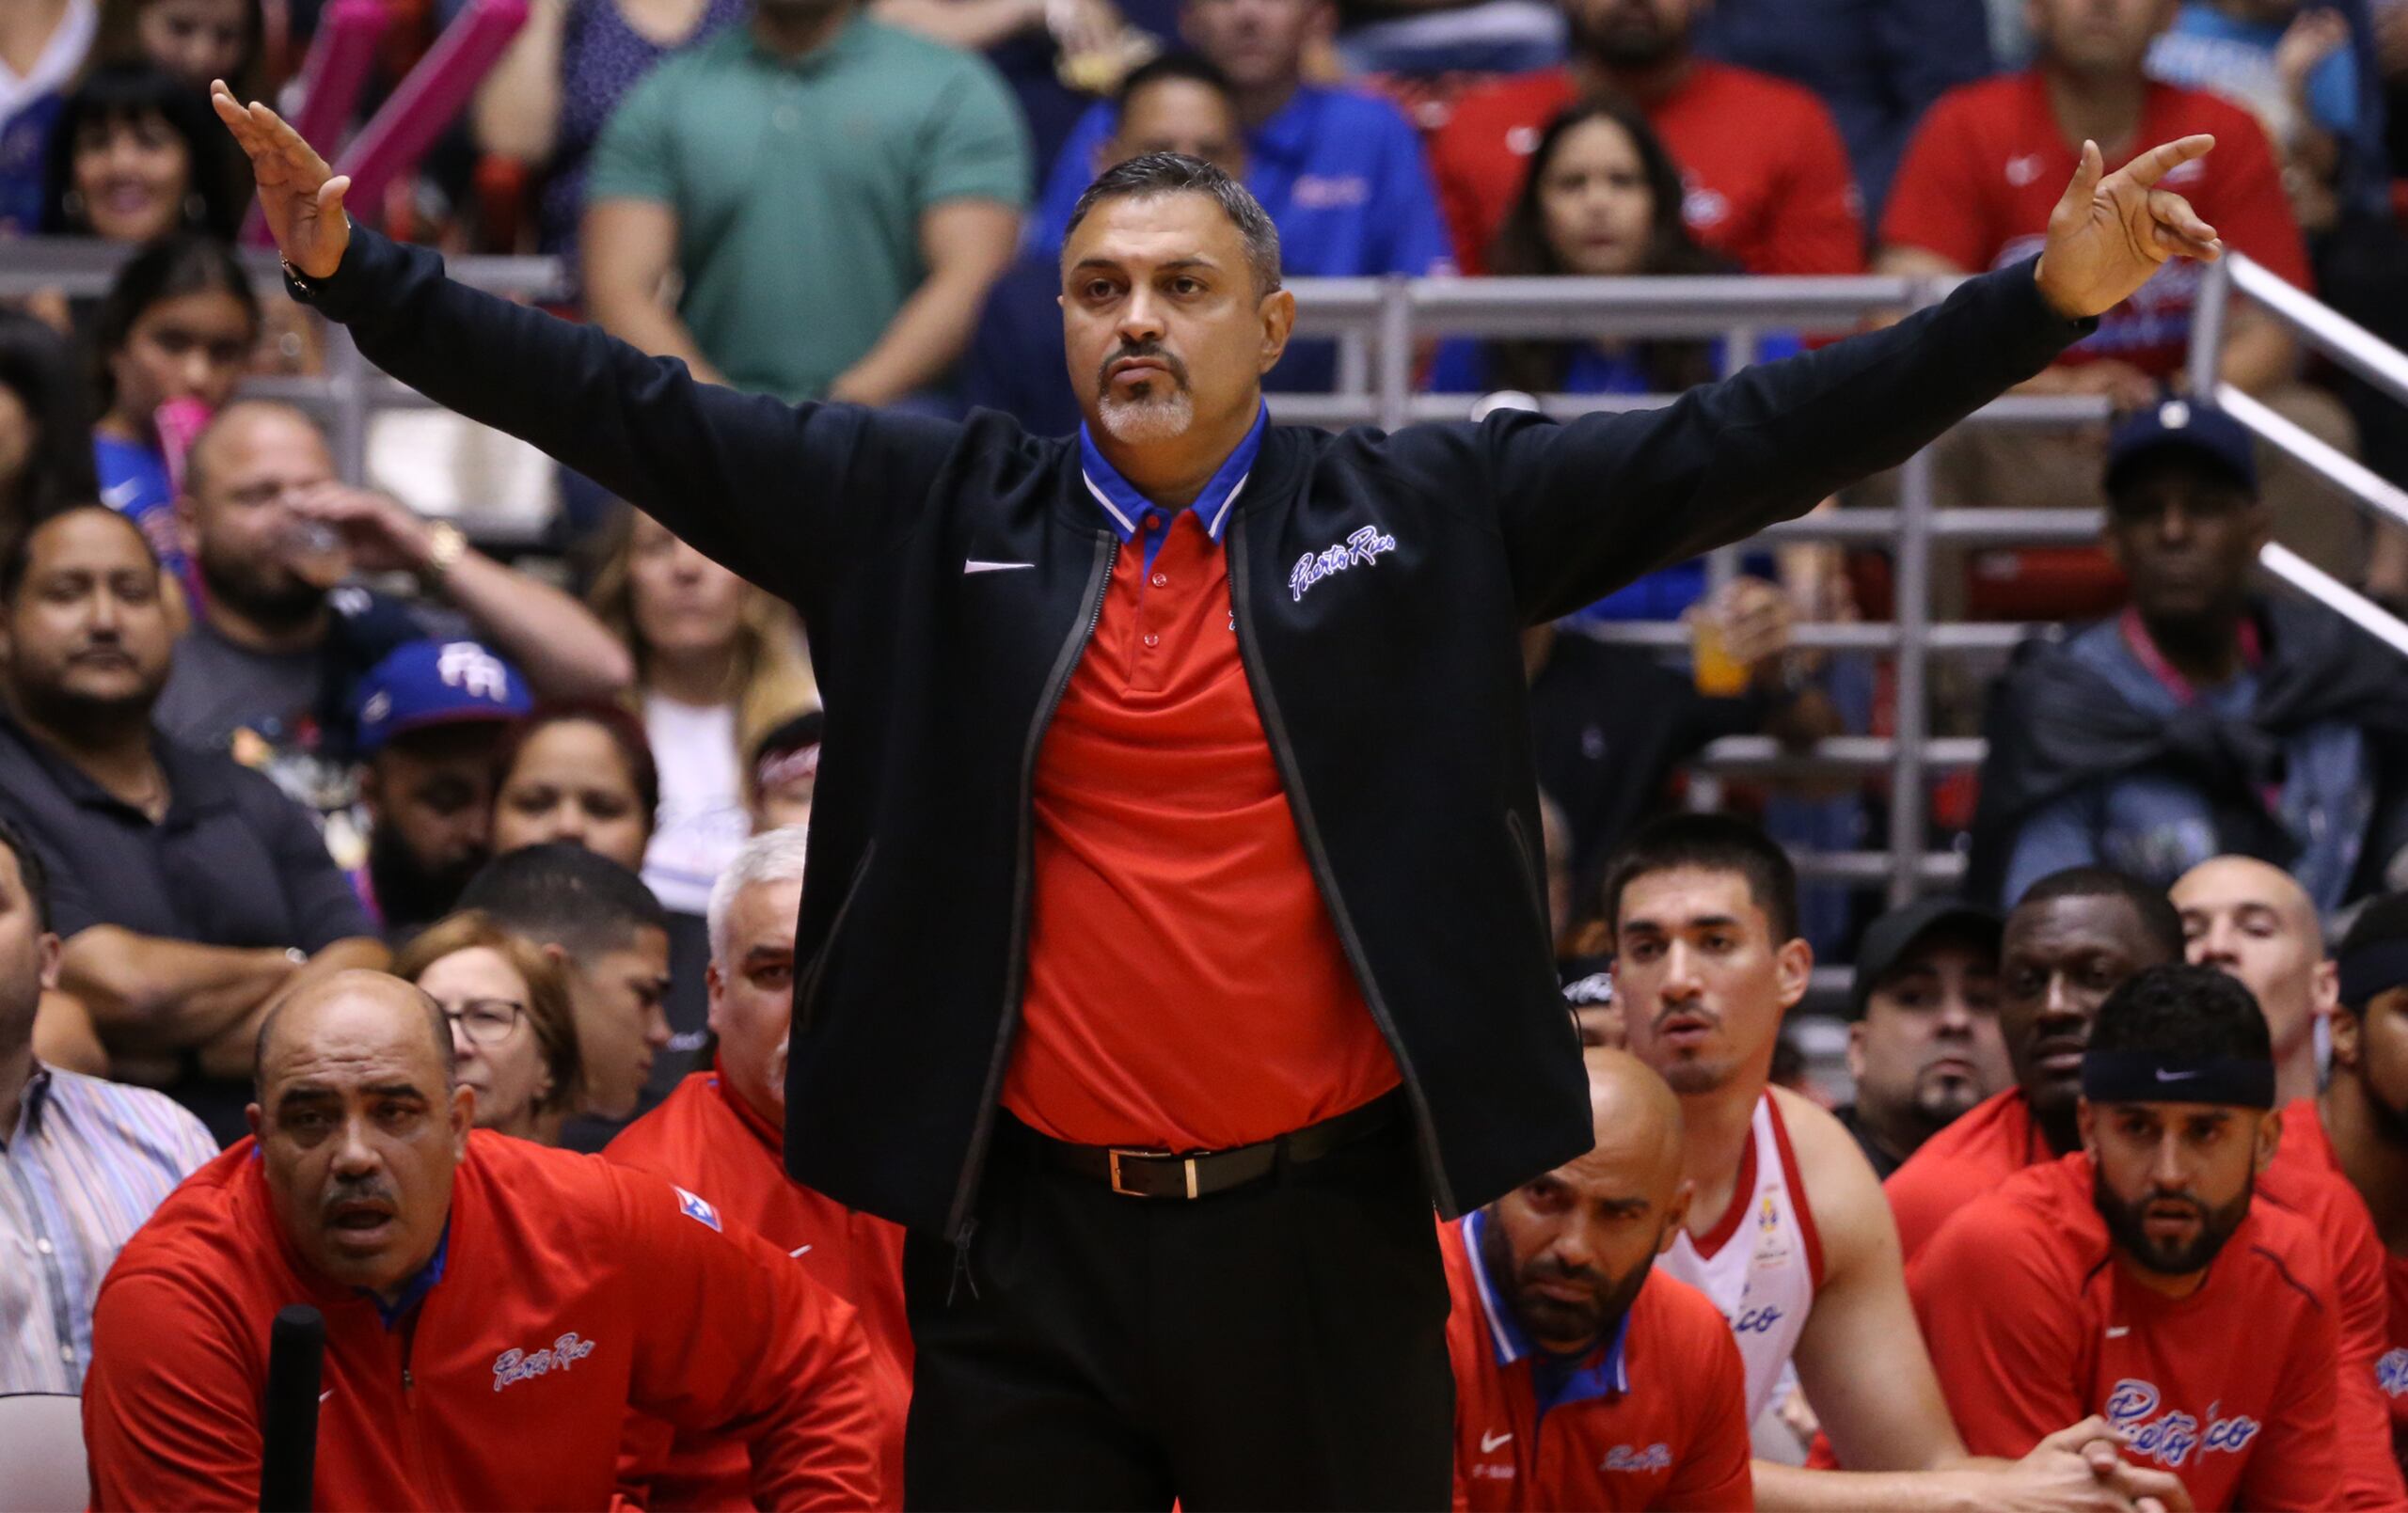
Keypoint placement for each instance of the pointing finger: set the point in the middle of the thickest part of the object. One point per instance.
(2158, 160)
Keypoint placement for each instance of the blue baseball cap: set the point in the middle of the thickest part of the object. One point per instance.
(2191, 425)
(434, 682)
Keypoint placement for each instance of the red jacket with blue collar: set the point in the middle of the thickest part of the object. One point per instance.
(1654, 1418)
(568, 1291)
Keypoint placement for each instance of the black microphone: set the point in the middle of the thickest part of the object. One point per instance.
(296, 1347)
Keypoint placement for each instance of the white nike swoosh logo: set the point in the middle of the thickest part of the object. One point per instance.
(1490, 1442)
(2120, 1332)
(121, 495)
(323, 1396)
(798, 1249)
(2165, 1075)
(974, 565)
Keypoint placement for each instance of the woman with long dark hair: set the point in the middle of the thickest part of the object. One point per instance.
(137, 155)
(1602, 201)
(177, 326)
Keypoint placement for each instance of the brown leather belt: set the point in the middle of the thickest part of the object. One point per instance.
(1154, 1173)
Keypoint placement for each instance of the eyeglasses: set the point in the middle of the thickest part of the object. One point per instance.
(485, 1022)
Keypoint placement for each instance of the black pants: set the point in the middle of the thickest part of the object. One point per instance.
(1279, 1346)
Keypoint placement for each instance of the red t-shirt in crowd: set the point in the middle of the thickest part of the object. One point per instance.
(1186, 988)
(1655, 1418)
(1997, 1138)
(1764, 172)
(2034, 1324)
(2306, 1147)
(569, 1291)
(1989, 161)
(708, 1141)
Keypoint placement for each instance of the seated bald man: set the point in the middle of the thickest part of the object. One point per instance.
(1585, 1378)
(493, 1308)
(2254, 920)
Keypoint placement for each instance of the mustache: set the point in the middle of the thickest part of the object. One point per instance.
(1151, 350)
(1687, 1011)
(358, 1189)
(2172, 1205)
(1547, 1269)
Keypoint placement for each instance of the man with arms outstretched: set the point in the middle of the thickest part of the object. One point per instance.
(1205, 1041)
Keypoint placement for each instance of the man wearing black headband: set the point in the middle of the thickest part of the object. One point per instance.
(2075, 937)
(2359, 1126)
(2086, 1285)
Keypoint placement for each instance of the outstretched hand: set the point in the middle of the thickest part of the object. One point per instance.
(2111, 230)
(300, 195)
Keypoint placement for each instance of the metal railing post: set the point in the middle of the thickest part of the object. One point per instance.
(1396, 352)
(1738, 350)
(1909, 807)
(348, 377)
(2208, 320)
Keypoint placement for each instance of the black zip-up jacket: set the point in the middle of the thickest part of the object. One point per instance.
(1391, 690)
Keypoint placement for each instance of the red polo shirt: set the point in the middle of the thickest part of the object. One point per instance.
(1186, 989)
(708, 1139)
(1989, 162)
(1656, 1418)
(1764, 174)
(2034, 1324)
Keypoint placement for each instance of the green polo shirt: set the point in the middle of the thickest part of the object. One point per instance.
(799, 187)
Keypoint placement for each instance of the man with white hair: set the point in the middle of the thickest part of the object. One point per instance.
(717, 1135)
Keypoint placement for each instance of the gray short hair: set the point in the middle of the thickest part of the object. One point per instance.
(1153, 174)
(772, 856)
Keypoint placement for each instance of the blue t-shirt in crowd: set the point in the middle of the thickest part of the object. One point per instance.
(1339, 173)
(135, 483)
(2210, 49)
(2156, 827)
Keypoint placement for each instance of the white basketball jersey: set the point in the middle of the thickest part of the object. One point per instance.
(1762, 1261)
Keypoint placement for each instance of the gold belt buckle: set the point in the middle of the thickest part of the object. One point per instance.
(1114, 1153)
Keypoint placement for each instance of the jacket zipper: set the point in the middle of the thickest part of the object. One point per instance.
(1275, 731)
(421, 1463)
(960, 1224)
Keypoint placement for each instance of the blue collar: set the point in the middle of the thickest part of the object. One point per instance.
(1123, 506)
(414, 1291)
(1605, 1370)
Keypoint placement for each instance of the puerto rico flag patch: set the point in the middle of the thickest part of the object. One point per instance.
(696, 1208)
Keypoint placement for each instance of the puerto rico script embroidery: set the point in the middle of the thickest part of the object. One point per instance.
(520, 1365)
(1363, 547)
(2170, 1439)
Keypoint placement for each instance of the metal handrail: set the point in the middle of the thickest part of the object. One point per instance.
(2347, 344)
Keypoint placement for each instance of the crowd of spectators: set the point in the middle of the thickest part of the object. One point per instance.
(264, 725)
